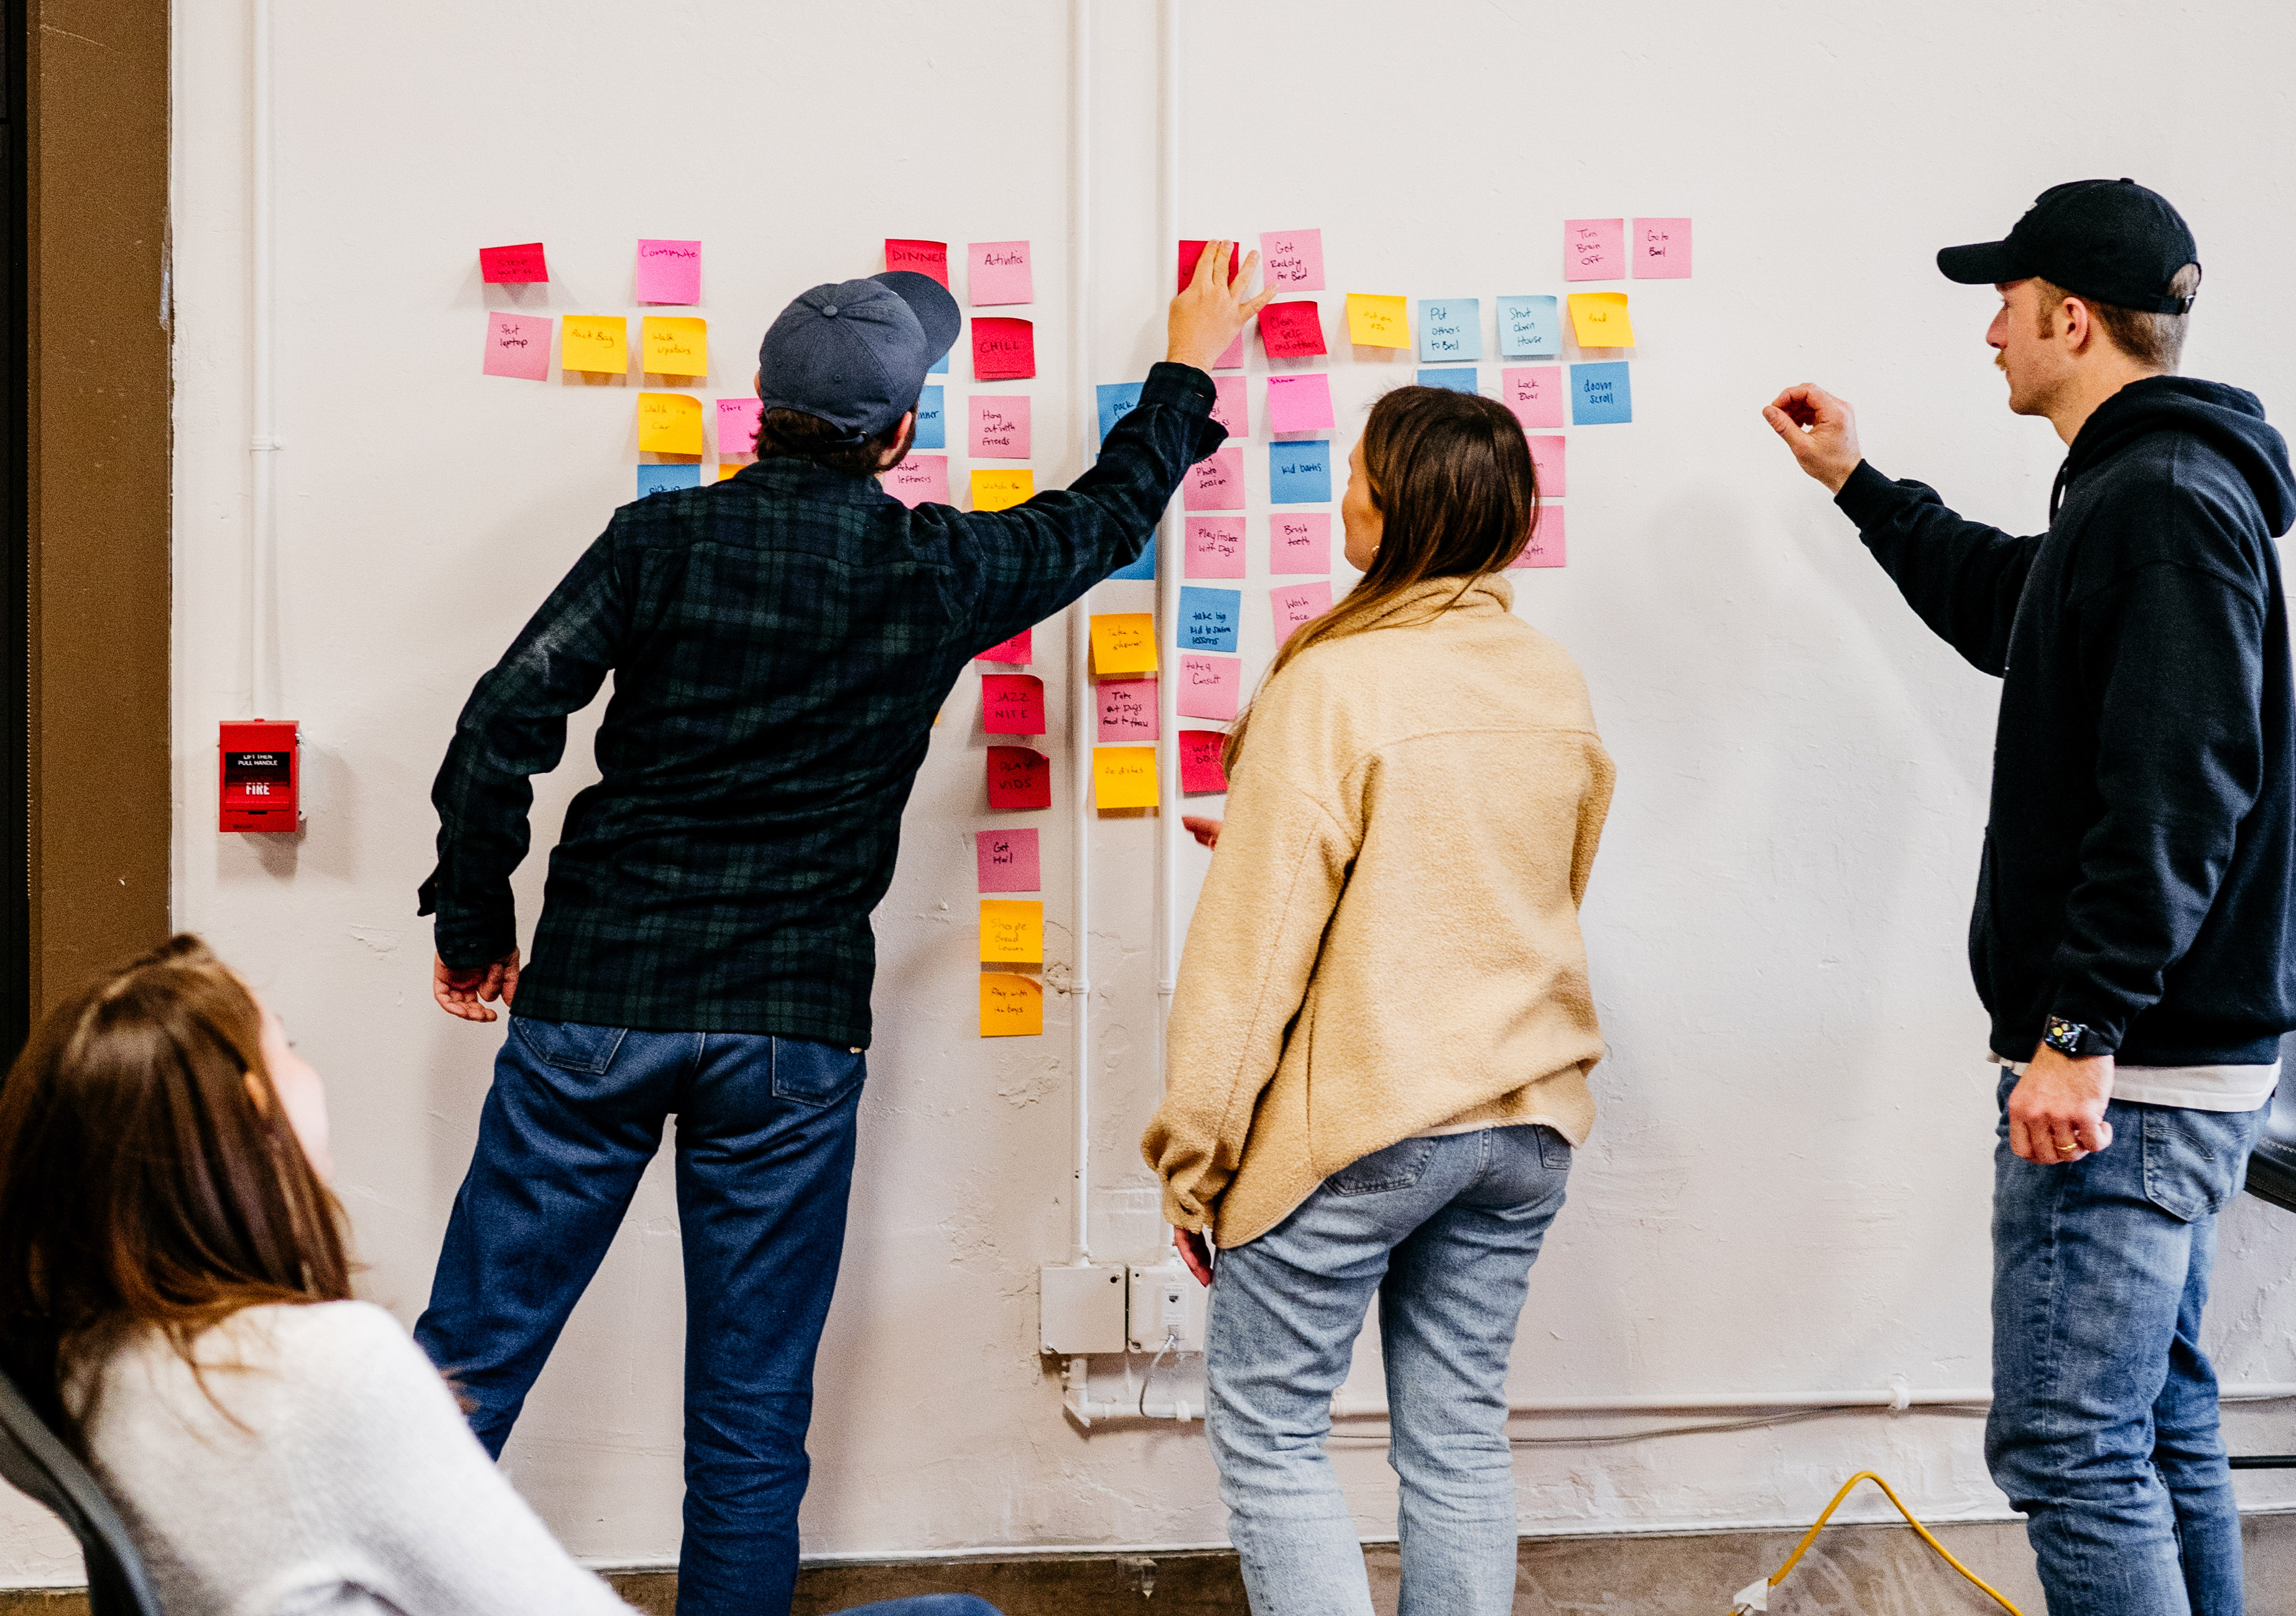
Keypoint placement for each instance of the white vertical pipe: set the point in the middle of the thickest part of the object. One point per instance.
(1169, 557)
(1082, 713)
(263, 503)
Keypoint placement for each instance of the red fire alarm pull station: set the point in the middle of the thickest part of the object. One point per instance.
(262, 774)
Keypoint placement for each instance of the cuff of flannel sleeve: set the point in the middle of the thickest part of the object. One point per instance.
(466, 941)
(1181, 386)
(1868, 496)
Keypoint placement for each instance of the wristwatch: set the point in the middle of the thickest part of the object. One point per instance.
(2073, 1039)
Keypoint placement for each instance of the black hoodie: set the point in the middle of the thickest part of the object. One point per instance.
(2140, 866)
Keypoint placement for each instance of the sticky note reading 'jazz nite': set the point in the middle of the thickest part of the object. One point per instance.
(1001, 490)
(932, 420)
(1299, 404)
(1210, 687)
(1300, 473)
(1128, 709)
(599, 344)
(1601, 395)
(1008, 861)
(1534, 392)
(1528, 328)
(1124, 776)
(668, 424)
(1450, 329)
(737, 426)
(1011, 1005)
(1012, 931)
(1019, 777)
(999, 428)
(1291, 331)
(1012, 704)
(1594, 249)
(1123, 644)
(1199, 760)
(1598, 319)
(1003, 348)
(1118, 399)
(1296, 604)
(1661, 250)
(919, 258)
(659, 479)
(670, 272)
(1215, 546)
(1375, 320)
(1228, 405)
(674, 345)
(1546, 460)
(998, 273)
(1208, 619)
(1215, 482)
(519, 346)
(1292, 260)
(1546, 547)
(519, 266)
(1300, 541)
(1451, 378)
(1019, 650)
(919, 478)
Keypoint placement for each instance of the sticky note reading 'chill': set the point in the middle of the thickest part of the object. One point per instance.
(1124, 776)
(1594, 249)
(1546, 460)
(1534, 392)
(1450, 329)
(674, 345)
(918, 258)
(520, 265)
(1598, 319)
(1128, 709)
(517, 346)
(1375, 320)
(1215, 546)
(1200, 761)
(1208, 619)
(1300, 473)
(932, 420)
(599, 344)
(1528, 328)
(668, 424)
(1117, 401)
(1210, 687)
(1001, 490)
(1123, 644)
(670, 272)
(919, 478)
(998, 426)
(1546, 547)
(1601, 395)
(737, 426)
(1012, 704)
(1018, 651)
(1003, 348)
(1019, 777)
(1297, 603)
(1215, 482)
(1291, 331)
(1012, 931)
(1300, 541)
(1292, 260)
(1011, 1005)
(1008, 861)
(660, 478)
(1299, 404)
(1661, 250)
(998, 273)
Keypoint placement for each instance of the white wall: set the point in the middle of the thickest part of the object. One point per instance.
(1788, 1187)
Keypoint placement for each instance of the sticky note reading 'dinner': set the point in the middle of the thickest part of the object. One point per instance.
(1008, 861)
(1012, 931)
(1598, 319)
(1124, 776)
(669, 424)
(670, 272)
(918, 258)
(518, 345)
(1012, 1006)
(1123, 644)
(1375, 320)
(1001, 490)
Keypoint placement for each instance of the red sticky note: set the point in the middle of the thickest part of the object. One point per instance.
(999, 426)
(1199, 760)
(737, 426)
(1215, 546)
(1190, 251)
(1661, 250)
(1547, 460)
(670, 272)
(1296, 604)
(1594, 249)
(1128, 709)
(920, 258)
(1215, 482)
(917, 479)
(1299, 404)
(1534, 392)
(1012, 704)
(1209, 686)
(1016, 650)
(1019, 777)
(1546, 547)
(1291, 331)
(998, 273)
(1227, 403)
(1300, 541)
(512, 266)
(518, 345)
(1003, 348)
(1008, 860)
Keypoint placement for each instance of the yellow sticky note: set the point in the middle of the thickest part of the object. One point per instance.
(1011, 1006)
(1124, 776)
(668, 424)
(1000, 490)
(728, 468)
(1012, 931)
(1378, 322)
(1123, 644)
(1598, 319)
(675, 345)
(600, 343)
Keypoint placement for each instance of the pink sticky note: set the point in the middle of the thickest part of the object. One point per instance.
(999, 426)
(1128, 709)
(1534, 392)
(999, 273)
(1019, 777)
(1231, 355)
(1295, 604)
(1016, 651)
(1291, 331)
(1003, 348)
(1594, 249)
(1215, 546)
(1299, 404)
(1228, 404)
(918, 479)
(670, 272)
(1008, 861)
(1547, 460)
(737, 426)
(1546, 547)
(1661, 250)
(1292, 260)
(919, 258)
(1215, 482)
(518, 345)
(522, 265)
(1208, 687)
(1012, 704)
(1300, 541)
(1199, 760)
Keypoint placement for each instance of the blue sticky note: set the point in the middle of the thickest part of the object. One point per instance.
(1450, 328)
(1116, 399)
(1529, 328)
(1600, 394)
(1459, 381)
(1208, 619)
(932, 425)
(1145, 567)
(654, 479)
(1300, 473)
(939, 367)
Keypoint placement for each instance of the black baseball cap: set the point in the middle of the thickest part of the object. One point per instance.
(856, 353)
(2107, 239)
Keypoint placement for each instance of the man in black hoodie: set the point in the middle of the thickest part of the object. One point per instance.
(2135, 933)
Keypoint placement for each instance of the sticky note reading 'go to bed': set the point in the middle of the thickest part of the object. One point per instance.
(1450, 329)
(1546, 462)
(1598, 319)
(1227, 404)
(998, 273)
(1601, 395)
(1546, 547)
(1007, 861)
(1300, 541)
(1011, 1005)
(999, 426)
(1123, 644)
(1300, 473)
(1292, 260)
(517, 346)
(1199, 760)
(1208, 619)
(1019, 777)
(1117, 401)
(932, 420)
(1291, 331)
(1124, 776)
(1528, 328)
(1012, 931)
(1012, 704)
(674, 345)
(919, 478)
(668, 424)
(1128, 709)
(670, 272)
(1594, 249)
(1299, 404)
(599, 344)
(1296, 604)
(1376, 321)
(1215, 482)
(1534, 392)
(1210, 687)
(1661, 250)
(918, 258)
(1215, 546)
(519, 266)
(1001, 490)
(737, 426)
(1018, 651)
(1003, 348)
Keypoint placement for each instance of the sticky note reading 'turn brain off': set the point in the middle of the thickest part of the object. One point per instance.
(1124, 776)
(1594, 249)
(1011, 1005)
(669, 424)
(670, 272)
(1012, 931)
(1123, 644)
(1377, 321)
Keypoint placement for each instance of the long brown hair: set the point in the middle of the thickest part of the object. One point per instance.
(1452, 476)
(149, 1175)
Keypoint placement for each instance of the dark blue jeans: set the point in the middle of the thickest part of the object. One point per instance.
(765, 1158)
(2103, 1430)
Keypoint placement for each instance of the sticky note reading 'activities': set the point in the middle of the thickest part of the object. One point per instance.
(668, 424)
(1299, 404)
(737, 426)
(1003, 348)
(599, 344)
(1007, 861)
(1546, 547)
(999, 428)
(1124, 776)
(1375, 320)
(670, 272)
(1215, 546)
(1228, 405)
(1594, 249)
(1012, 1006)
(1528, 328)
(1018, 651)
(1215, 482)
(674, 345)
(919, 478)
(932, 420)
(1300, 473)
(519, 266)
(1451, 378)
(999, 273)
(1450, 329)
(1292, 260)
(1123, 644)
(519, 346)
(1210, 687)
(1300, 541)
(1012, 931)
(1012, 704)
(1661, 250)
(1001, 490)
(1019, 777)
(1546, 460)
(1291, 331)
(1534, 392)
(1601, 395)
(919, 258)
(1296, 604)
(1199, 760)
(1598, 319)
(1118, 399)
(1128, 709)
(1208, 619)
(659, 479)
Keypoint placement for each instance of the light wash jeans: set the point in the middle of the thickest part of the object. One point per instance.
(1445, 1230)
(2103, 1430)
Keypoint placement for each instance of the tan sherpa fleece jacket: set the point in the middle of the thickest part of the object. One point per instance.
(1389, 936)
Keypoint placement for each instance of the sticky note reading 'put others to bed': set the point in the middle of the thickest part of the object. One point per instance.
(670, 272)
(1008, 861)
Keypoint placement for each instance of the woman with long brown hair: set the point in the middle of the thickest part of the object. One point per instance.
(1380, 1044)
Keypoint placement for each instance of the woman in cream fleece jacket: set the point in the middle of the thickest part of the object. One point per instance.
(1379, 1045)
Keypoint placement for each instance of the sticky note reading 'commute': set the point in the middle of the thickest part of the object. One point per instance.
(919, 258)
(1292, 260)
(1452, 378)
(1529, 328)
(668, 424)
(998, 273)
(1128, 709)
(1210, 687)
(1534, 392)
(1019, 777)
(1007, 861)
(1546, 547)
(1299, 404)
(737, 426)
(659, 479)
(1291, 331)
(1012, 704)
(1208, 619)
(1200, 761)
(1117, 399)
(1215, 482)
(1300, 473)
(1124, 776)
(670, 272)
(1300, 541)
(1011, 1005)
(674, 345)
(1450, 329)
(1296, 604)
(519, 266)
(1018, 651)
(1601, 395)
(1227, 404)
(1003, 348)
(932, 420)
(599, 344)
(1376, 321)
(1215, 546)
(1546, 460)
(1123, 644)
(1012, 931)
(919, 478)
(1598, 319)
(1001, 490)
(517, 346)
(998, 426)
(1594, 249)
(1661, 250)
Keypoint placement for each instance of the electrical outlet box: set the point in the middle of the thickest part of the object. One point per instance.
(1082, 1309)
(1166, 1306)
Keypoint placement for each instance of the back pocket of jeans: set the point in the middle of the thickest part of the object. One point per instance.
(2192, 1157)
(816, 1074)
(1396, 1168)
(569, 1045)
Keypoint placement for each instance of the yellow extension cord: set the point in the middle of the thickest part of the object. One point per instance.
(1810, 1536)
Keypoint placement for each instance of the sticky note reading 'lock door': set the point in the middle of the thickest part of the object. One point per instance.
(1534, 392)
(1375, 320)
(1008, 861)
(1012, 1006)
(1012, 931)
(1123, 644)
(1124, 776)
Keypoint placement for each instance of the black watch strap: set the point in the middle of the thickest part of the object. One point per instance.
(2074, 1040)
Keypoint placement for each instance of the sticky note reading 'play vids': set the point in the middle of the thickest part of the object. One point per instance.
(1208, 619)
(1018, 651)
(1300, 473)
(668, 424)
(1215, 482)
(1598, 319)
(1117, 401)
(1215, 546)
(1124, 776)
(1123, 644)
(919, 258)
(1300, 541)
(1003, 348)
(999, 426)
(1128, 709)
(1297, 603)
(1291, 331)
(1292, 260)
(932, 420)
(1546, 547)
(1375, 320)
(919, 478)
(1534, 392)
(1210, 687)
(1661, 250)
(1529, 328)
(1012, 704)
(1019, 777)
(520, 265)
(674, 345)
(998, 273)
(1001, 490)
(1450, 329)
(599, 344)
(670, 272)
(1299, 404)
(737, 426)
(1546, 460)
(1008, 861)
(517, 346)
(1012, 1006)
(1594, 249)
(1012, 931)
(1601, 395)
(1200, 761)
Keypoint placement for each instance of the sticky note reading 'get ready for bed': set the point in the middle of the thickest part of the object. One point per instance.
(1546, 547)
(1001, 490)
(1296, 604)
(1299, 404)
(1208, 618)
(998, 426)
(1210, 687)
(1128, 709)
(1661, 250)
(1123, 644)
(1529, 328)
(670, 272)
(1292, 260)
(1012, 931)
(918, 258)
(517, 346)
(1300, 473)
(932, 420)
(997, 271)
(1450, 329)
(1008, 861)
(1012, 704)
(674, 345)
(737, 426)
(1377, 321)
(1291, 331)
(919, 478)
(520, 265)
(1601, 394)
(1199, 760)
(1215, 482)
(1003, 348)
(599, 344)
(1017, 651)
(668, 424)
(1019, 777)
(1534, 392)
(1124, 776)
(1215, 546)
(1594, 249)
(1598, 319)
(1011, 1005)
(1300, 541)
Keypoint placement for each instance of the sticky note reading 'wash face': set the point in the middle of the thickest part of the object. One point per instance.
(1012, 704)
(660, 478)
(998, 273)
(1200, 761)
(1546, 460)
(1117, 401)
(519, 266)
(919, 478)
(668, 424)
(737, 426)
(1528, 328)
(1011, 1005)
(1007, 861)
(1534, 392)
(519, 346)
(932, 420)
(1227, 404)
(1215, 482)
(674, 345)
(1546, 547)
(1296, 604)
(670, 272)
(1215, 546)
(1124, 776)
(1299, 404)
(1012, 931)
(1450, 329)
(1661, 250)
(1601, 395)
(1292, 260)
(1300, 473)
(1208, 619)
(1598, 319)
(1123, 644)
(1019, 650)
(1300, 541)
(1450, 378)
(919, 258)
(1594, 249)
(599, 344)
(999, 426)
(1019, 777)
(1003, 348)
(1375, 320)
(1001, 490)
(1291, 331)
(1128, 709)
(1210, 687)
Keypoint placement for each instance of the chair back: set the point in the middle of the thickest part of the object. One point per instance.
(34, 1460)
(2271, 1167)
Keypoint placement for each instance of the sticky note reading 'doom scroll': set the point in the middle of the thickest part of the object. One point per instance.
(1123, 644)
(1375, 320)
(669, 424)
(1124, 776)
(1598, 319)
(1012, 1006)
(519, 346)
(1012, 704)
(1003, 348)
(1601, 395)
(1001, 490)
(1210, 687)
(674, 345)
(1291, 331)
(1008, 861)
(670, 272)
(1594, 249)
(918, 258)
(997, 271)
(919, 478)
(520, 265)
(1019, 777)
(1012, 931)
(599, 344)
(1200, 761)
(1016, 651)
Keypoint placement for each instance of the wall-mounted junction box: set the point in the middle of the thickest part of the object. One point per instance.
(1083, 1309)
(1166, 1311)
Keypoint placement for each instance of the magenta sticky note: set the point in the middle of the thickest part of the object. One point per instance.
(919, 258)
(1534, 392)
(1008, 861)
(1547, 460)
(518, 345)
(1300, 541)
(1661, 250)
(670, 272)
(1594, 249)
(1199, 760)
(1017, 650)
(1546, 547)
(918, 479)
(518, 266)
(997, 271)
(1128, 709)
(1003, 348)
(1228, 404)
(1012, 704)
(1209, 686)
(1231, 355)
(1295, 604)
(1215, 482)
(999, 426)
(1292, 260)
(1215, 546)
(1191, 252)
(1299, 404)
(1019, 777)
(737, 426)
(1291, 331)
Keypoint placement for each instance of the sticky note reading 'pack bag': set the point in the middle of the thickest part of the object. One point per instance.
(1215, 546)
(737, 426)
(1019, 777)
(1124, 776)
(520, 265)
(1210, 687)
(1529, 328)
(999, 426)
(932, 420)
(1375, 320)
(1300, 541)
(1601, 395)
(1012, 1006)
(1215, 482)
(1001, 490)
(1128, 709)
(1123, 644)
(1598, 319)
(1012, 704)
(1007, 861)
(668, 424)
(1594, 249)
(1451, 378)
(1546, 547)
(1003, 348)
(1296, 604)
(1227, 404)
(517, 346)
(1534, 392)
(599, 344)
(1117, 401)
(1291, 331)
(918, 258)
(1300, 473)
(1450, 329)
(1018, 650)
(1661, 250)
(1299, 404)
(1546, 460)
(1292, 260)
(670, 272)
(1012, 931)
(1199, 760)
(1208, 619)
(674, 345)
(919, 478)
(998, 273)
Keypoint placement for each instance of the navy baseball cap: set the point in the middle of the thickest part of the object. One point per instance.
(856, 353)
(2107, 239)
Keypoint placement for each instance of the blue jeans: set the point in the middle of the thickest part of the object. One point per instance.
(764, 1157)
(2103, 1430)
(1445, 1231)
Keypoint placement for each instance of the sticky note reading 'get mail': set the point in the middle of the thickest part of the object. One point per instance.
(1661, 250)
(1012, 931)
(1528, 328)
(1018, 651)
(1594, 249)
(919, 478)
(517, 346)
(1008, 861)
(737, 426)
(1299, 404)
(1123, 644)
(1450, 329)
(1128, 709)
(670, 272)
(1546, 462)
(1291, 331)
(1199, 760)
(999, 426)
(1545, 548)
(1208, 619)
(1117, 401)
(1011, 1005)
(918, 258)
(932, 420)
(1300, 473)
(1001, 490)
(1215, 546)
(1598, 319)
(1215, 482)
(668, 424)
(1534, 392)
(1300, 541)
(1003, 348)
(1124, 776)
(1297, 603)
(1012, 704)
(520, 265)
(599, 344)
(1601, 395)
(1376, 321)
(1019, 777)
(998, 273)
(1210, 687)
(1292, 260)
(674, 345)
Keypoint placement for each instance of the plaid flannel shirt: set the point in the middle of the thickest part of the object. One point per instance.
(779, 643)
